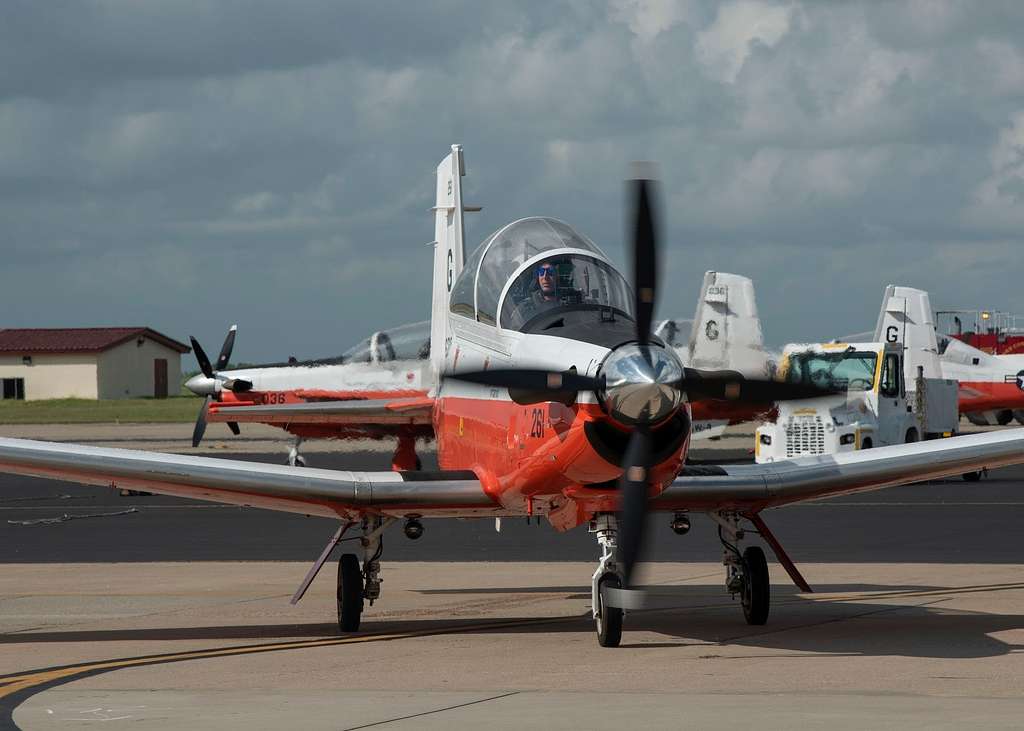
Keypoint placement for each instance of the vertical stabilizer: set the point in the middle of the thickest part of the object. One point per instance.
(449, 250)
(906, 317)
(726, 332)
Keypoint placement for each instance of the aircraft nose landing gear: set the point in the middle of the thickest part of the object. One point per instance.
(607, 619)
(295, 458)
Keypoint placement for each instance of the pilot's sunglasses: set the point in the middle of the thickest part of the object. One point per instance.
(547, 269)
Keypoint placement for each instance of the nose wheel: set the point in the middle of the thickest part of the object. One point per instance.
(607, 619)
(295, 458)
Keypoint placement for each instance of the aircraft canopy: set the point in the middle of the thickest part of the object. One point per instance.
(503, 271)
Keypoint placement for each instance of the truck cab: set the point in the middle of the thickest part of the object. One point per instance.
(876, 406)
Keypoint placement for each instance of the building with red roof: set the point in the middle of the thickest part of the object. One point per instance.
(88, 362)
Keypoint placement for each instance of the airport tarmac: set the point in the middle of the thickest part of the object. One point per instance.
(216, 645)
(128, 623)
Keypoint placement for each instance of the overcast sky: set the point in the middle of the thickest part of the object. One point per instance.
(189, 165)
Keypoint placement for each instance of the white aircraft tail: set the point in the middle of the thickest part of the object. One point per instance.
(906, 317)
(726, 331)
(449, 249)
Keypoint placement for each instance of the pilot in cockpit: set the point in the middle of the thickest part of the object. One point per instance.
(544, 294)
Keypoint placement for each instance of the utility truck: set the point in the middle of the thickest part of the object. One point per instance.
(879, 407)
(894, 389)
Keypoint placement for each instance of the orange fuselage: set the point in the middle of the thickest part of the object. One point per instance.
(548, 458)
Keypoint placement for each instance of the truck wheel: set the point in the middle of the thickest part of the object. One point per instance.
(972, 476)
(1004, 417)
(911, 436)
(1019, 416)
(866, 444)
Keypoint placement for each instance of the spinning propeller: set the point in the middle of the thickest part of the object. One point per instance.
(641, 384)
(212, 382)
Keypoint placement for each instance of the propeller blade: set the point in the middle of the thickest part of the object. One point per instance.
(225, 350)
(645, 265)
(633, 501)
(734, 386)
(528, 379)
(204, 362)
(233, 426)
(197, 433)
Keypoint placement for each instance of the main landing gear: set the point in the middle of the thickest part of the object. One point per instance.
(746, 572)
(355, 585)
(607, 619)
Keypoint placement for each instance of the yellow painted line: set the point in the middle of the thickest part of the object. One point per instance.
(16, 683)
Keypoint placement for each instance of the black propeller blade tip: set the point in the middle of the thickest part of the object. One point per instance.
(201, 358)
(226, 348)
(643, 237)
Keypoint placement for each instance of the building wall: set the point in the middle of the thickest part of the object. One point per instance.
(126, 371)
(54, 376)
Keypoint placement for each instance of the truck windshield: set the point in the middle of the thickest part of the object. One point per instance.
(853, 370)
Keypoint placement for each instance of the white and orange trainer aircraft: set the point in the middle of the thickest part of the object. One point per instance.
(551, 398)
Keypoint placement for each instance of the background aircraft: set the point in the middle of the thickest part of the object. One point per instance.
(312, 399)
(991, 386)
(552, 399)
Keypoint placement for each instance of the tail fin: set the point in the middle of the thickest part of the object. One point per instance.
(726, 330)
(906, 317)
(449, 250)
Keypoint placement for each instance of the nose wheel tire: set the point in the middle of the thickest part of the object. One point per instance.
(756, 594)
(350, 593)
(608, 619)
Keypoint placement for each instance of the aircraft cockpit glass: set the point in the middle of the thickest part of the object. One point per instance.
(581, 279)
(568, 280)
(852, 370)
(406, 342)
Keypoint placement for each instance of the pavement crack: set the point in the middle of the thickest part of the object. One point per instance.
(435, 710)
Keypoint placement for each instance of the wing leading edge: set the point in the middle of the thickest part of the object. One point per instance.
(751, 488)
(353, 412)
(330, 493)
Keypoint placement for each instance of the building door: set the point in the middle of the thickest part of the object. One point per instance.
(160, 378)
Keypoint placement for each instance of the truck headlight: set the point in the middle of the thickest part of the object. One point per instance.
(846, 439)
(766, 439)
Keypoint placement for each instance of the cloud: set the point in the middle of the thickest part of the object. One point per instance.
(192, 166)
(726, 44)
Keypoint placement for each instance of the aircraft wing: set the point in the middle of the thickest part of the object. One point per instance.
(751, 488)
(415, 411)
(330, 493)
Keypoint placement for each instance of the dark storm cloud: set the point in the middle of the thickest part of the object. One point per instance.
(189, 165)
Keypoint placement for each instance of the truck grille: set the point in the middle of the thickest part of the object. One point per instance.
(804, 435)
